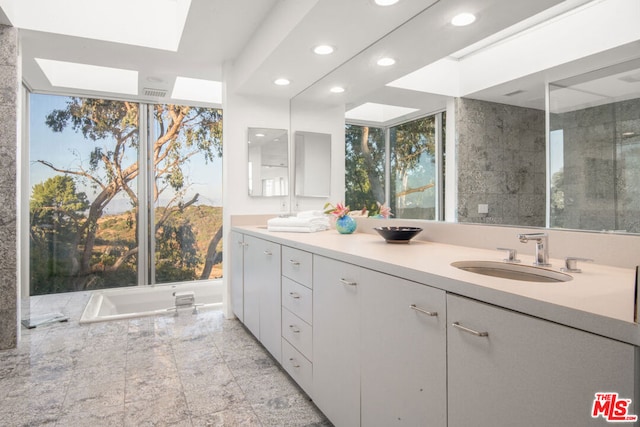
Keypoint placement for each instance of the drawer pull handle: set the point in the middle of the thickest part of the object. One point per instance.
(420, 310)
(294, 262)
(348, 282)
(471, 331)
(294, 329)
(294, 295)
(293, 362)
(268, 252)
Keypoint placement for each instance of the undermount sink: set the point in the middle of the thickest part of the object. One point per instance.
(525, 273)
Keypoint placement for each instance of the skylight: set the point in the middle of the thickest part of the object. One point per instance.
(200, 90)
(380, 113)
(89, 77)
(149, 23)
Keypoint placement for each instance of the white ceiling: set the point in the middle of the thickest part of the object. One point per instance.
(249, 43)
(259, 40)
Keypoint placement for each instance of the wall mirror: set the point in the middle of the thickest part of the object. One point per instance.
(495, 98)
(313, 164)
(594, 150)
(268, 162)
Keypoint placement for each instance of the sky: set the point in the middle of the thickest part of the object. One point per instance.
(69, 150)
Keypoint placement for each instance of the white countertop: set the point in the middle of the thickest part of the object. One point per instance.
(598, 300)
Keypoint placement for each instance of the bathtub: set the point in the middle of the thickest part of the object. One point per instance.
(139, 301)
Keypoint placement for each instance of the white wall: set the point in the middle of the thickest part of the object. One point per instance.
(240, 113)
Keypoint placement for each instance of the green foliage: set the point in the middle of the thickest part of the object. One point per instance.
(364, 166)
(80, 249)
(413, 149)
(412, 162)
(56, 213)
(557, 199)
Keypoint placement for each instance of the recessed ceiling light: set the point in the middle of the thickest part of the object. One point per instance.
(259, 135)
(197, 90)
(386, 2)
(282, 82)
(385, 62)
(95, 20)
(323, 49)
(336, 89)
(89, 77)
(463, 19)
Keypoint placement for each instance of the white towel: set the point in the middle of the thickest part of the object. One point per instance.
(306, 224)
(292, 229)
(310, 214)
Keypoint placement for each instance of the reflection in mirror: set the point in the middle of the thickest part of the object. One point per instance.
(268, 162)
(491, 80)
(313, 164)
(594, 144)
(413, 170)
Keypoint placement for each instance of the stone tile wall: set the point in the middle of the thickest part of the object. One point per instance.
(601, 183)
(500, 162)
(9, 92)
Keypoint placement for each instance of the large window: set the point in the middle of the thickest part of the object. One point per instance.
(107, 198)
(365, 166)
(409, 179)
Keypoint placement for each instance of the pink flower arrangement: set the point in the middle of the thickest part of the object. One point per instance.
(384, 211)
(339, 210)
(381, 212)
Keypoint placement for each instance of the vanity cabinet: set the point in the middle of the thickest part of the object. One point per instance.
(403, 353)
(237, 274)
(336, 340)
(506, 368)
(262, 310)
(297, 318)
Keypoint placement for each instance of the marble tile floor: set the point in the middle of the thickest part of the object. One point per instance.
(190, 370)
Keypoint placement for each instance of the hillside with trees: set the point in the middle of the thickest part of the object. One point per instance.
(76, 243)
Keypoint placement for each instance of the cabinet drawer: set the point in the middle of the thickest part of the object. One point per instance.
(300, 369)
(297, 265)
(298, 299)
(297, 332)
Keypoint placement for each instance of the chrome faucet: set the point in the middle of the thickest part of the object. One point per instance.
(542, 247)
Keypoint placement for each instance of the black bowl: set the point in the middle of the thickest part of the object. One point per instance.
(398, 234)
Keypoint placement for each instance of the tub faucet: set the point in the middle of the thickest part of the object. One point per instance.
(542, 247)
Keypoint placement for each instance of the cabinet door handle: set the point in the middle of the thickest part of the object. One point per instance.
(471, 331)
(294, 329)
(242, 243)
(294, 295)
(268, 252)
(348, 282)
(293, 362)
(294, 262)
(420, 310)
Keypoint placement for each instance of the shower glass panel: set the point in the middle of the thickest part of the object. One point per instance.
(185, 149)
(594, 150)
(83, 193)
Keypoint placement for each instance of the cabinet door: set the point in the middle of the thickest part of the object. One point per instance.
(237, 274)
(262, 302)
(336, 338)
(403, 358)
(527, 371)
